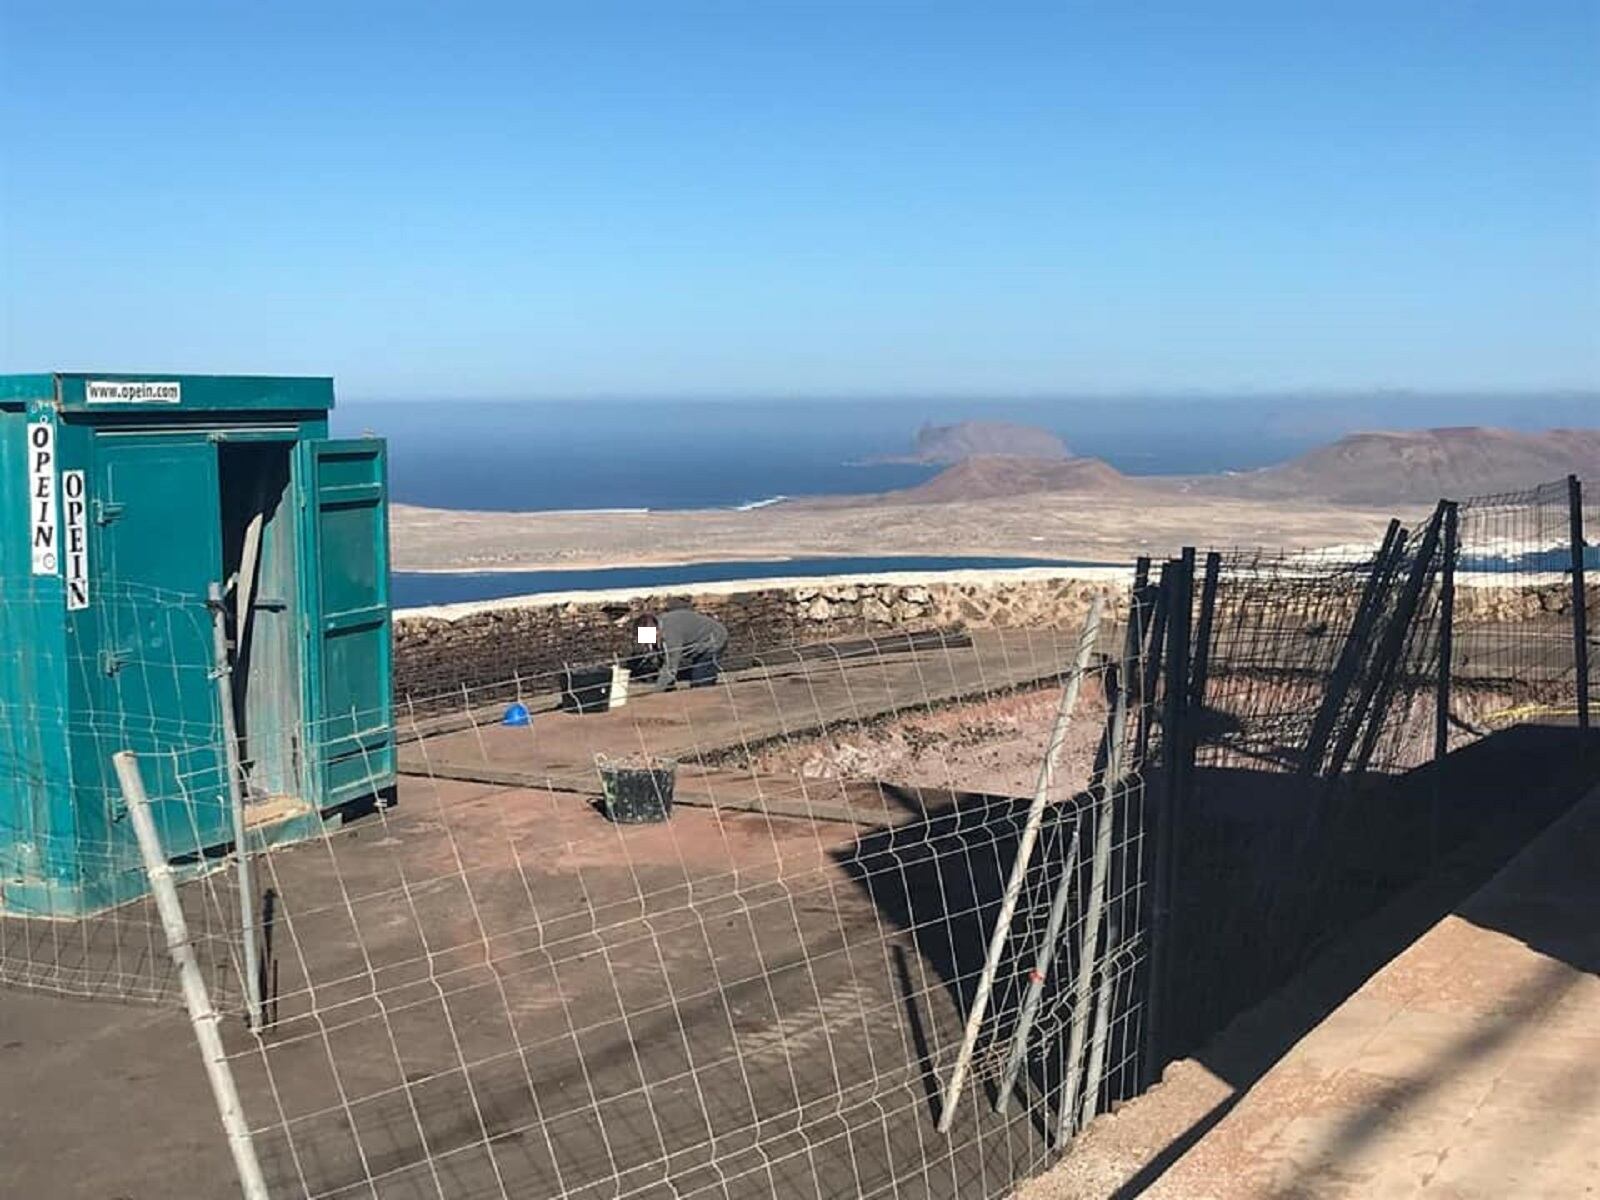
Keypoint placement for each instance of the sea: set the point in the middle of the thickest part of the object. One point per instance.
(525, 455)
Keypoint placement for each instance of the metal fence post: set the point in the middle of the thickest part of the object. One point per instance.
(222, 669)
(1355, 645)
(1441, 715)
(1447, 610)
(202, 1016)
(1099, 870)
(1019, 868)
(1165, 836)
(1374, 702)
(1580, 604)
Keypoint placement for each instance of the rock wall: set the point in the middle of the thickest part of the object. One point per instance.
(439, 652)
(1489, 603)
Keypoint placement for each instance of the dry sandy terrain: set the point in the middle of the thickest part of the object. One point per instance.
(1115, 528)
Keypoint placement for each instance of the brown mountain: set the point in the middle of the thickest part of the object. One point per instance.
(1420, 465)
(989, 476)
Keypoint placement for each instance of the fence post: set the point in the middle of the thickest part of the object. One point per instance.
(1019, 868)
(1580, 605)
(1099, 870)
(1175, 736)
(1441, 715)
(1447, 609)
(202, 1016)
(1152, 634)
(1200, 670)
(1355, 644)
(1374, 703)
(222, 669)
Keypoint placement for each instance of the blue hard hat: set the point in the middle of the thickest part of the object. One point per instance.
(517, 715)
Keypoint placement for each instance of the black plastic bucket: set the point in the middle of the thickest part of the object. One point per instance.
(586, 690)
(638, 795)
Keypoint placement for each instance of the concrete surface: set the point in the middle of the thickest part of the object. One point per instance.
(1467, 1068)
(1444, 1048)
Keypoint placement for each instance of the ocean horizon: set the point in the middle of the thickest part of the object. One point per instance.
(664, 455)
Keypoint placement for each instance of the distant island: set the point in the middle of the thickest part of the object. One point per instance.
(945, 445)
(1411, 466)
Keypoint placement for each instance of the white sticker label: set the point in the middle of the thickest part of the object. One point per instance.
(75, 528)
(42, 498)
(110, 391)
(647, 635)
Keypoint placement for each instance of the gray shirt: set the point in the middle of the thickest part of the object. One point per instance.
(687, 636)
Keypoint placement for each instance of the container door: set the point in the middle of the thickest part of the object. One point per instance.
(350, 730)
(157, 525)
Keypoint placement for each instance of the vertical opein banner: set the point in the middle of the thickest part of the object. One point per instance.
(42, 532)
(75, 530)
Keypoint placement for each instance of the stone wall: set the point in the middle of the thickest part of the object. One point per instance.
(440, 651)
(1485, 601)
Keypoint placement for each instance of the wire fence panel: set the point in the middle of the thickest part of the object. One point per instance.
(501, 985)
(75, 917)
(1316, 665)
(1514, 616)
(492, 990)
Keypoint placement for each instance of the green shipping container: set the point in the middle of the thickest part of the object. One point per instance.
(123, 500)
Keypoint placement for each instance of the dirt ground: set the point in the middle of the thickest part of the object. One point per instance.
(1095, 528)
(490, 990)
(987, 745)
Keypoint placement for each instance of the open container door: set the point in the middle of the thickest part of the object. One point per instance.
(349, 753)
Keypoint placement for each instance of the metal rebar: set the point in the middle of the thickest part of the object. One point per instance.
(222, 669)
(1102, 1028)
(1019, 868)
(1100, 868)
(1041, 971)
(202, 1016)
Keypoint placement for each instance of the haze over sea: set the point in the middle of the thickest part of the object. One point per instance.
(526, 455)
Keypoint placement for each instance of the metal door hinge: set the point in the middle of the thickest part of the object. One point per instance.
(106, 511)
(112, 661)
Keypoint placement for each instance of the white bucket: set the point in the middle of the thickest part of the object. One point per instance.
(619, 687)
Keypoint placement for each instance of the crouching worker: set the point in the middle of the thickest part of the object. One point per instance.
(687, 644)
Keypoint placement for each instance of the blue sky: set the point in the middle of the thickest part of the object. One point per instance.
(762, 198)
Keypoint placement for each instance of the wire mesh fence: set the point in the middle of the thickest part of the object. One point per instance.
(75, 917)
(1514, 606)
(1311, 680)
(491, 990)
(912, 918)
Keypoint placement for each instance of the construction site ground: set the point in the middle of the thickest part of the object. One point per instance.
(505, 925)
